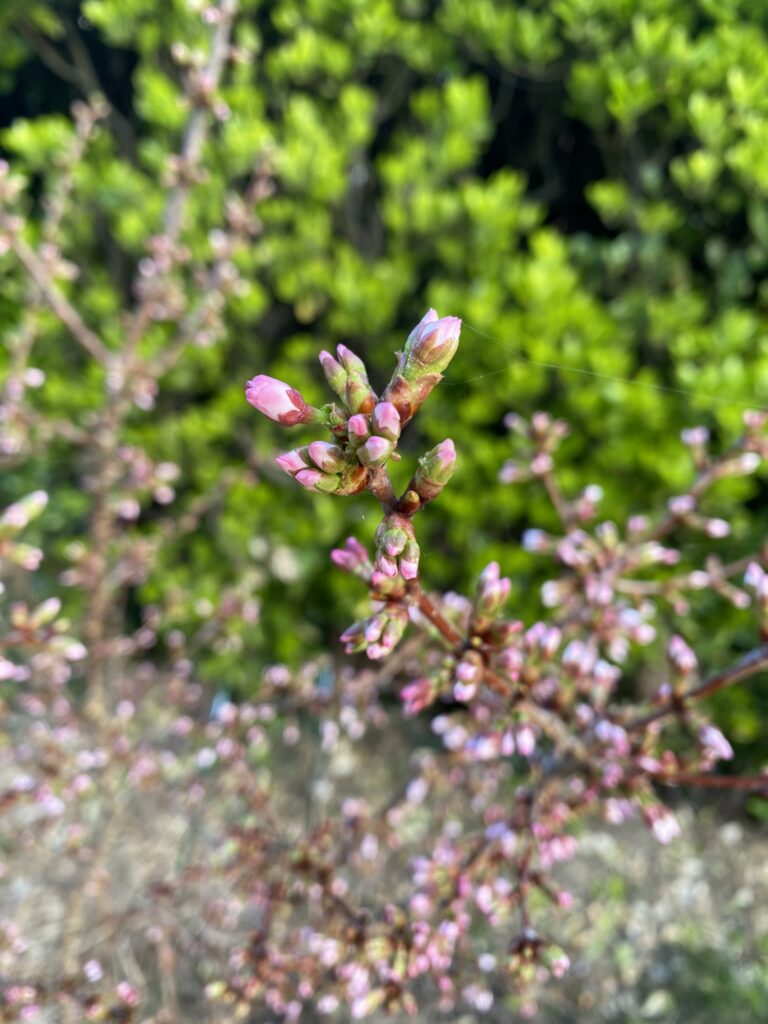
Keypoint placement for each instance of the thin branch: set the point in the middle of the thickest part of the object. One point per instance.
(742, 782)
(58, 302)
(749, 665)
(194, 135)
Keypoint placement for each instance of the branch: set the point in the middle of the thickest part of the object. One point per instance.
(745, 782)
(381, 488)
(58, 302)
(194, 134)
(749, 665)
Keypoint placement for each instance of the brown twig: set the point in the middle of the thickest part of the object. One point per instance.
(749, 665)
(742, 782)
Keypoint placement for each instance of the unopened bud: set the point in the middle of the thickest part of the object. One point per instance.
(431, 345)
(396, 547)
(279, 401)
(352, 558)
(315, 480)
(492, 590)
(351, 362)
(327, 457)
(386, 421)
(434, 471)
(334, 372)
(294, 461)
(358, 429)
(375, 451)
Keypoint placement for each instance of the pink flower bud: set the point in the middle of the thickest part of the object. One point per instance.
(308, 478)
(352, 558)
(681, 656)
(431, 345)
(351, 362)
(434, 471)
(278, 401)
(292, 462)
(375, 451)
(327, 457)
(409, 565)
(417, 695)
(492, 591)
(334, 372)
(358, 429)
(386, 421)
(715, 744)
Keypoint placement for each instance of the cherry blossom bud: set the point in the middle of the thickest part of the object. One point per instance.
(294, 461)
(695, 437)
(358, 429)
(375, 452)
(396, 547)
(434, 471)
(715, 744)
(378, 635)
(315, 480)
(18, 516)
(662, 823)
(418, 695)
(431, 345)
(352, 558)
(327, 457)
(386, 421)
(757, 578)
(279, 401)
(351, 362)
(358, 394)
(334, 372)
(525, 740)
(409, 561)
(468, 673)
(492, 590)
(682, 657)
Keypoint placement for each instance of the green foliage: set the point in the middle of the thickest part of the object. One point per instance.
(583, 181)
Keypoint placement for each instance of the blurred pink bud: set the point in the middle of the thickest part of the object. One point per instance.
(492, 590)
(662, 823)
(291, 462)
(278, 401)
(695, 437)
(681, 655)
(409, 568)
(715, 744)
(417, 695)
(525, 741)
(352, 558)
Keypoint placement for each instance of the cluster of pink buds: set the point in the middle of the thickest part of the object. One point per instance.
(379, 634)
(365, 428)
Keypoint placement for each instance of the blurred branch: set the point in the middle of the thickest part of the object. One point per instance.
(749, 665)
(59, 303)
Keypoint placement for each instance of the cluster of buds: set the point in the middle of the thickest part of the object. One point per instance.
(396, 548)
(365, 429)
(380, 633)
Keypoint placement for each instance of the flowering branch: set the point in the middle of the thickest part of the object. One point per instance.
(546, 693)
